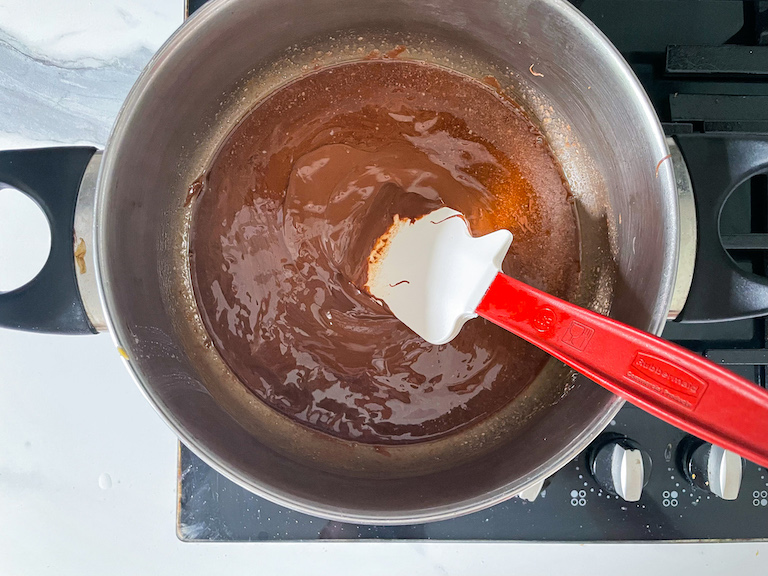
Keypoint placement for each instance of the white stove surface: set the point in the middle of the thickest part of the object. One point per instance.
(87, 469)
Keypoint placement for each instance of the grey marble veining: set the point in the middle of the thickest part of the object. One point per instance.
(66, 68)
(43, 101)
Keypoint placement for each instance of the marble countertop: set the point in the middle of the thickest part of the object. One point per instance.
(87, 469)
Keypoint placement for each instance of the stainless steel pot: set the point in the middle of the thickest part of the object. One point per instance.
(217, 65)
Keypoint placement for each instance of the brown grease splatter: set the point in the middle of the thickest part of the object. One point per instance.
(492, 82)
(396, 51)
(80, 256)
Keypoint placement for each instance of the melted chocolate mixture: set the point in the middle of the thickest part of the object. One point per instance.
(292, 206)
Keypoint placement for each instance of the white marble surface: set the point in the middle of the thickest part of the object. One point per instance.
(87, 470)
(67, 65)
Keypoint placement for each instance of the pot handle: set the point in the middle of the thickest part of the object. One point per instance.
(50, 302)
(720, 289)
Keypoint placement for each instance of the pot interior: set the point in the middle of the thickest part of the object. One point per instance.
(223, 61)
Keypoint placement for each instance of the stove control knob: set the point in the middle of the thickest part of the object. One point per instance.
(621, 468)
(713, 468)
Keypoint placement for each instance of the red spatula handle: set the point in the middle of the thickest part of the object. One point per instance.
(666, 380)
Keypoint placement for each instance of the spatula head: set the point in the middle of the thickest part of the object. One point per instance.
(432, 273)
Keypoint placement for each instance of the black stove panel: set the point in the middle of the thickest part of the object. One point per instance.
(704, 64)
(572, 507)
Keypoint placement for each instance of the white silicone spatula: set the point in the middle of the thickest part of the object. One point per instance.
(434, 276)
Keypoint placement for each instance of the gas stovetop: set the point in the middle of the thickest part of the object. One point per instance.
(704, 64)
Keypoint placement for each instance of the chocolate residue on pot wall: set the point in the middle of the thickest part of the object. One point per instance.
(292, 207)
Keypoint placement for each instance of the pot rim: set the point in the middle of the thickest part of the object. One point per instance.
(189, 29)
